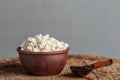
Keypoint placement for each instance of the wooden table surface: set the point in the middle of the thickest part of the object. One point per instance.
(11, 69)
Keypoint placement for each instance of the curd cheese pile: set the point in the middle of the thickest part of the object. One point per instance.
(43, 43)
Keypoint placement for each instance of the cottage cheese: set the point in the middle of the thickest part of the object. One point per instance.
(43, 43)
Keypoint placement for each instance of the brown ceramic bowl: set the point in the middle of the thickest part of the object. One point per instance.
(43, 63)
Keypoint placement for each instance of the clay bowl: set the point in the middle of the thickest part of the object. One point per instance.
(43, 63)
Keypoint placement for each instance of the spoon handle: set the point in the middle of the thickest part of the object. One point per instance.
(102, 63)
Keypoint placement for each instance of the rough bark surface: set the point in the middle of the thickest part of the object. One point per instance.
(11, 69)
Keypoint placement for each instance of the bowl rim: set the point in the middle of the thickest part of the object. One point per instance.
(42, 53)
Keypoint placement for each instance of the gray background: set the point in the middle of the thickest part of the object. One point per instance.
(89, 26)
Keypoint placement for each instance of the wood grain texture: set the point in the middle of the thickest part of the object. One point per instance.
(11, 69)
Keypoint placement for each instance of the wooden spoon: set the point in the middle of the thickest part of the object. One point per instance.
(84, 70)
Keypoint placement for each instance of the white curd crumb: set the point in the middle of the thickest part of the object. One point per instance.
(43, 43)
